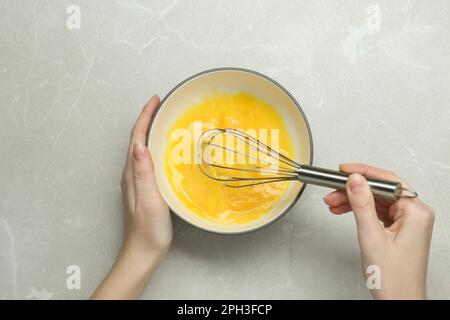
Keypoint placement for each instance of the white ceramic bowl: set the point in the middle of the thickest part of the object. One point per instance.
(193, 90)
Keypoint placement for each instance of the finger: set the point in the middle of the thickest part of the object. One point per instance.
(363, 205)
(336, 198)
(408, 209)
(138, 133)
(127, 188)
(345, 208)
(338, 203)
(341, 209)
(140, 129)
(144, 179)
(370, 171)
(414, 224)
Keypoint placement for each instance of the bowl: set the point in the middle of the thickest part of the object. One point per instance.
(192, 91)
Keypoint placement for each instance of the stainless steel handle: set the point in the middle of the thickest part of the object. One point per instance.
(386, 189)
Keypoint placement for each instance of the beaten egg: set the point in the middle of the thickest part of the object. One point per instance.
(209, 198)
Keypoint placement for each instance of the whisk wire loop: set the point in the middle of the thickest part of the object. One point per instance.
(285, 172)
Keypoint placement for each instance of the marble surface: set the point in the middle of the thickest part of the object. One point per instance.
(372, 77)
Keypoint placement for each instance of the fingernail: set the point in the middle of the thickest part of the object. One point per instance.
(355, 182)
(138, 151)
(327, 197)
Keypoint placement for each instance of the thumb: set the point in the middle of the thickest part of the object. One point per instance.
(143, 175)
(363, 205)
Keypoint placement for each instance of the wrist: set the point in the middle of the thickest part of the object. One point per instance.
(400, 292)
(140, 256)
(129, 275)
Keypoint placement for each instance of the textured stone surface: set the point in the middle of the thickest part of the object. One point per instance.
(374, 90)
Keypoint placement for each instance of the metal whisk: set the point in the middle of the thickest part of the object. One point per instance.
(260, 164)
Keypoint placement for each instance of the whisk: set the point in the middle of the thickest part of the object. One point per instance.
(261, 164)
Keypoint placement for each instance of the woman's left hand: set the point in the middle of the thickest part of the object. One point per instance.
(147, 221)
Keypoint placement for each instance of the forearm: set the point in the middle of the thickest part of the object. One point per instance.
(128, 276)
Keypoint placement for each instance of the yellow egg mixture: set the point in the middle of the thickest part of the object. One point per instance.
(211, 199)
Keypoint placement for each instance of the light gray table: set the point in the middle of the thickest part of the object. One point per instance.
(372, 76)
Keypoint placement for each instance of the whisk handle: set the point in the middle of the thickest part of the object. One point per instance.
(337, 179)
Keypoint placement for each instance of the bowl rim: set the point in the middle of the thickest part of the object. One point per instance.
(302, 113)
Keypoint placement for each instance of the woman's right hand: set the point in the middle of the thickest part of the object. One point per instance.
(399, 246)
